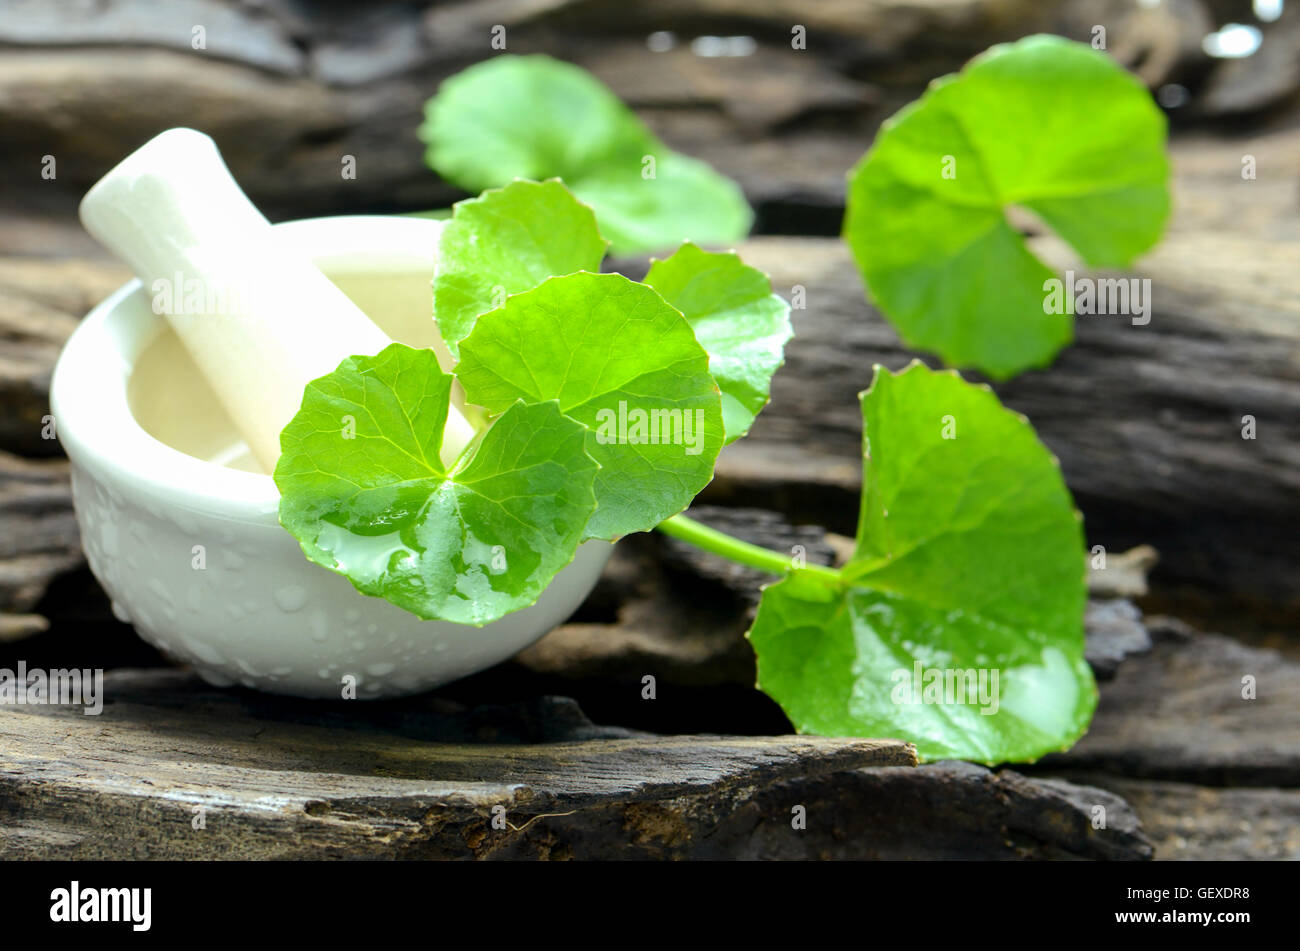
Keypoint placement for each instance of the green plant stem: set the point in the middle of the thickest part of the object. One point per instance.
(733, 549)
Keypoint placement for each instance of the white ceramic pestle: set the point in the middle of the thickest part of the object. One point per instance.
(259, 319)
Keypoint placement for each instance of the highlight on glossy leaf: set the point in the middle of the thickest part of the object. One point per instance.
(366, 495)
(624, 364)
(958, 621)
(1046, 124)
(534, 117)
(507, 241)
(736, 318)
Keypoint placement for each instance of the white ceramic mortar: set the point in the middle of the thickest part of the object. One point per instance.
(256, 612)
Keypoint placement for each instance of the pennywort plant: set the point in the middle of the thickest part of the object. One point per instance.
(1045, 124)
(604, 404)
(534, 117)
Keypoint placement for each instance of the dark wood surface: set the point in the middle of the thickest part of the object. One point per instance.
(273, 779)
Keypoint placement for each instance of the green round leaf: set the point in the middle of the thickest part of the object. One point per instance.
(364, 492)
(507, 241)
(623, 363)
(526, 117)
(968, 566)
(1047, 124)
(534, 117)
(683, 198)
(736, 318)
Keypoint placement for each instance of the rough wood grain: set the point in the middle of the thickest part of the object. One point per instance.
(38, 539)
(281, 779)
(950, 811)
(1188, 822)
(286, 779)
(41, 302)
(1177, 712)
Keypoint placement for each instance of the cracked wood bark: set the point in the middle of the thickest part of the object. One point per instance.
(38, 539)
(285, 779)
(41, 303)
(416, 779)
(1183, 712)
(1186, 821)
(959, 811)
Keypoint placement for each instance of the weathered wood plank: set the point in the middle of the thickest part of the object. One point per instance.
(276, 778)
(41, 302)
(38, 538)
(1181, 712)
(960, 811)
(1199, 823)
(282, 779)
